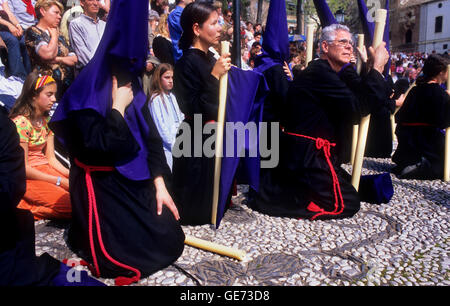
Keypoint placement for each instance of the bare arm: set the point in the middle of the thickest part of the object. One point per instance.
(50, 51)
(35, 174)
(13, 20)
(52, 160)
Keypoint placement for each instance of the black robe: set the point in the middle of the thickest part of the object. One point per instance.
(379, 135)
(420, 121)
(278, 86)
(318, 104)
(19, 265)
(132, 232)
(163, 49)
(197, 92)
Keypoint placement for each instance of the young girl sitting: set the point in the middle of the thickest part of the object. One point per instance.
(164, 108)
(47, 195)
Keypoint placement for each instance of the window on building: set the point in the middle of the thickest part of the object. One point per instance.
(408, 36)
(445, 46)
(439, 5)
(438, 24)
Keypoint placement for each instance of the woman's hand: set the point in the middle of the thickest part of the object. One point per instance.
(66, 60)
(65, 183)
(121, 96)
(287, 71)
(163, 198)
(54, 32)
(222, 66)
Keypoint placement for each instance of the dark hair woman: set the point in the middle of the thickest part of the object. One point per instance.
(196, 87)
(47, 195)
(425, 112)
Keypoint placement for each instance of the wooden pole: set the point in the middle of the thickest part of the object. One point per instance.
(356, 126)
(309, 42)
(360, 45)
(223, 83)
(380, 22)
(214, 247)
(447, 140)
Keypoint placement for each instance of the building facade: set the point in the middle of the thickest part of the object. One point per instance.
(434, 27)
(420, 26)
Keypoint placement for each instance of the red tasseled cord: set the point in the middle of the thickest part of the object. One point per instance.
(121, 280)
(325, 145)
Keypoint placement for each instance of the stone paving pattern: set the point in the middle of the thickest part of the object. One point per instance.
(402, 243)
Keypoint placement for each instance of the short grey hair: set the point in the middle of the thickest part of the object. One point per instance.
(329, 33)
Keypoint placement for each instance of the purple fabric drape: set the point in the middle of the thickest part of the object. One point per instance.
(245, 97)
(325, 15)
(123, 49)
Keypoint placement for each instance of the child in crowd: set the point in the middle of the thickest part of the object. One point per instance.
(164, 108)
(47, 195)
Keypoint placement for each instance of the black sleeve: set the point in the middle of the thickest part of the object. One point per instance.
(196, 90)
(12, 166)
(279, 85)
(163, 50)
(156, 158)
(99, 140)
(370, 89)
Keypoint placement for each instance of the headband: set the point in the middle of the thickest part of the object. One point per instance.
(43, 80)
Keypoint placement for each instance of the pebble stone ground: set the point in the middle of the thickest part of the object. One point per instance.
(402, 243)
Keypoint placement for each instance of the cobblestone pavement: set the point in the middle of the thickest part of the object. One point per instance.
(404, 242)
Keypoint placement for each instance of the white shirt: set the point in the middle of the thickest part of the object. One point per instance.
(167, 117)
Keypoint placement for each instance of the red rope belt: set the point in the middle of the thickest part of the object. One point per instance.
(119, 281)
(415, 124)
(325, 145)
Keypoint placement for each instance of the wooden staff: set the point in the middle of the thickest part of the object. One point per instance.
(214, 247)
(380, 22)
(356, 126)
(309, 42)
(223, 83)
(447, 140)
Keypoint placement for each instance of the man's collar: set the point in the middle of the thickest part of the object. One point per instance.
(90, 18)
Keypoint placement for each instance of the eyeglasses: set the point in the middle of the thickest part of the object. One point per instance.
(229, 16)
(343, 43)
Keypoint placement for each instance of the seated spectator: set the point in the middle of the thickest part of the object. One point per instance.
(47, 195)
(227, 27)
(11, 31)
(152, 60)
(48, 50)
(426, 110)
(218, 5)
(104, 9)
(175, 26)
(162, 44)
(164, 108)
(86, 31)
(158, 6)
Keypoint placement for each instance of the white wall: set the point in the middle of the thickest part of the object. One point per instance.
(428, 39)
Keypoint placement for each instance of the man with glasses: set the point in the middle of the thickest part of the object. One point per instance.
(316, 123)
(227, 28)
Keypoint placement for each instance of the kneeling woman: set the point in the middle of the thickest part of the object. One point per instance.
(196, 86)
(47, 195)
(124, 220)
(420, 123)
